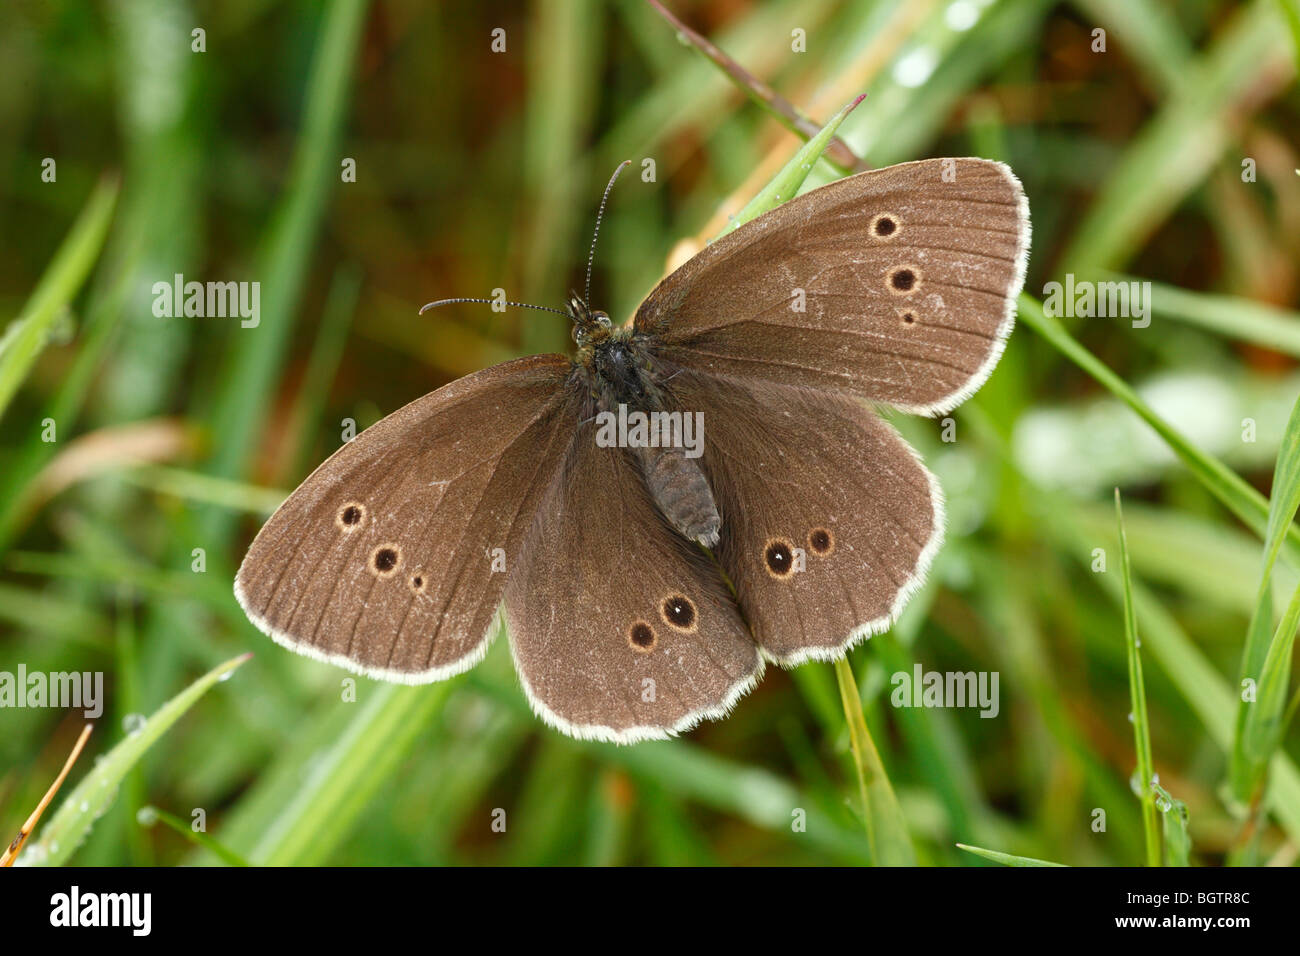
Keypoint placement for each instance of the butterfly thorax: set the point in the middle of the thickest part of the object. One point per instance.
(625, 384)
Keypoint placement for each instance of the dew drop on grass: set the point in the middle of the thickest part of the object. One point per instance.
(1163, 805)
(226, 676)
(133, 724)
(146, 816)
(1135, 784)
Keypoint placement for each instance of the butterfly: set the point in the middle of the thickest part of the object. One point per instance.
(643, 584)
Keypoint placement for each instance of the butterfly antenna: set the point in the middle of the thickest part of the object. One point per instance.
(518, 305)
(591, 256)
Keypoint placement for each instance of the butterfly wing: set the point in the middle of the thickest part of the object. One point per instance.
(621, 630)
(829, 519)
(390, 559)
(897, 285)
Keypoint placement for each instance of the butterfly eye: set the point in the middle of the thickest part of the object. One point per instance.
(778, 555)
(678, 611)
(904, 280)
(602, 318)
(350, 515)
(385, 559)
(884, 226)
(821, 541)
(641, 637)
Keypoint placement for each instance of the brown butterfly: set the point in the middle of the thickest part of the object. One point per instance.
(644, 582)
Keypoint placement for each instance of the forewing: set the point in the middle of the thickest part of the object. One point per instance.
(897, 285)
(390, 559)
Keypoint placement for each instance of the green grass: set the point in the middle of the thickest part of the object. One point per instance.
(479, 170)
(1144, 777)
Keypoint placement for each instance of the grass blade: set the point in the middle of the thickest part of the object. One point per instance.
(26, 336)
(150, 815)
(1231, 316)
(1138, 701)
(795, 119)
(787, 182)
(1178, 843)
(313, 798)
(1006, 859)
(1184, 141)
(97, 790)
(1265, 661)
(886, 826)
(1220, 480)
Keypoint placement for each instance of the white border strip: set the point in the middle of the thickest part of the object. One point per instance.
(458, 666)
(632, 735)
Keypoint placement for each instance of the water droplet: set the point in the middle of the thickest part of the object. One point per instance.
(915, 67)
(1135, 784)
(962, 15)
(146, 816)
(1163, 805)
(133, 724)
(1130, 716)
(226, 676)
(85, 805)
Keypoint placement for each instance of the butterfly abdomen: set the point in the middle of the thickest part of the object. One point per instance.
(681, 492)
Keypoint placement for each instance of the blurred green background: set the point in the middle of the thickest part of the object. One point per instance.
(478, 169)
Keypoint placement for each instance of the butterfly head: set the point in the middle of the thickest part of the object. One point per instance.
(590, 326)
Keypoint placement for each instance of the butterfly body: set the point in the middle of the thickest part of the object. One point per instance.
(624, 380)
(504, 491)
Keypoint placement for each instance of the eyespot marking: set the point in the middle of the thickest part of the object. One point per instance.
(821, 541)
(641, 637)
(778, 556)
(908, 317)
(678, 611)
(904, 280)
(417, 582)
(385, 559)
(350, 516)
(884, 226)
